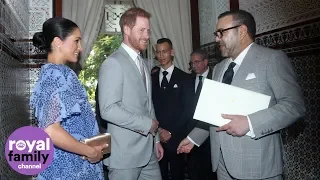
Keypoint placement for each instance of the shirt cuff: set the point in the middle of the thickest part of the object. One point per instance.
(250, 133)
(193, 141)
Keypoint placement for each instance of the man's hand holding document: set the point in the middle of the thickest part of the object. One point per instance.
(218, 98)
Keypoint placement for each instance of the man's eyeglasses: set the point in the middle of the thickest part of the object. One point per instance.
(196, 63)
(219, 33)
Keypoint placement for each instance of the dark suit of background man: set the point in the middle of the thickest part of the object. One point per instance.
(191, 91)
(166, 85)
(103, 126)
(260, 154)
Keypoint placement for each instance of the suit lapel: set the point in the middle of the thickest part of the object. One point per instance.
(219, 70)
(209, 76)
(156, 79)
(138, 74)
(246, 65)
(133, 65)
(173, 78)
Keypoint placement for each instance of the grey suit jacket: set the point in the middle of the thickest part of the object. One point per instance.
(128, 108)
(260, 157)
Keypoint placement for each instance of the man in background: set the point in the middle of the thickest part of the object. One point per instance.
(192, 89)
(166, 88)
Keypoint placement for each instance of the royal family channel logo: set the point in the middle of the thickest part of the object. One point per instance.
(29, 150)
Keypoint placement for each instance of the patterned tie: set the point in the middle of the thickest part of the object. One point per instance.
(199, 87)
(228, 75)
(164, 82)
(141, 65)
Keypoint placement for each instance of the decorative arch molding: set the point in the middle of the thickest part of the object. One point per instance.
(293, 40)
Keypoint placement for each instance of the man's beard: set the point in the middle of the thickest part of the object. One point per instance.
(226, 51)
(136, 45)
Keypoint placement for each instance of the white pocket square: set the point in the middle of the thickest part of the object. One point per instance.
(175, 86)
(250, 76)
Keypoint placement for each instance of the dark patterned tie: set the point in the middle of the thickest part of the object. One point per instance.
(164, 82)
(199, 87)
(228, 75)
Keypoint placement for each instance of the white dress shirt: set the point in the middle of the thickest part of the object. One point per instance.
(168, 76)
(134, 56)
(238, 62)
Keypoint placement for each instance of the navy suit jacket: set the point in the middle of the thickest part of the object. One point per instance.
(167, 105)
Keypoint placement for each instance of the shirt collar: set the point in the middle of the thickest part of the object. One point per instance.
(133, 54)
(169, 70)
(205, 74)
(241, 56)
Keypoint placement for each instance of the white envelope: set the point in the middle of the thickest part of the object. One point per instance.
(218, 98)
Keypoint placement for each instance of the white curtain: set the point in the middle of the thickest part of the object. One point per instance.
(171, 19)
(88, 15)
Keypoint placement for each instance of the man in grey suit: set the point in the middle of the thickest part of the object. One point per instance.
(126, 104)
(235, 155)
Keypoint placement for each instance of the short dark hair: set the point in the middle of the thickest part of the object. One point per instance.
(129, 17)
(163, 40)
(242, 17)
(51, 28)
(201, 52)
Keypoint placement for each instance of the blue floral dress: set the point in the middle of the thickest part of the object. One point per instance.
(58, 96)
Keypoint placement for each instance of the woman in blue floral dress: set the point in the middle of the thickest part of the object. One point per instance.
(61, 105)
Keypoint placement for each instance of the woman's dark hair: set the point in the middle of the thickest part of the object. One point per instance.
(53, 27)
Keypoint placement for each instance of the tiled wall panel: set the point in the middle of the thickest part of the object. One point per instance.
(40, 11)
(302, 139)
(14, 97)
(272, 15)
(14, 77)
(209, 11)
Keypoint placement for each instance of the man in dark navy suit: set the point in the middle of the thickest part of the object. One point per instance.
(166, 96)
